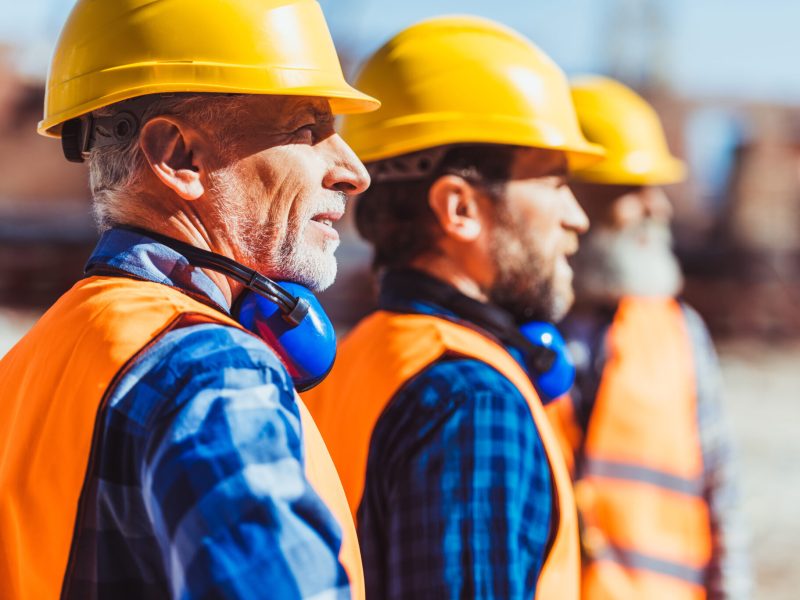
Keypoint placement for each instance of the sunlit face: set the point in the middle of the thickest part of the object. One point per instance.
(537, 226)
(628, 251)
(284, 185)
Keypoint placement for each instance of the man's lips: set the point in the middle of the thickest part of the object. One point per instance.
(328, 218)
(324, 221)
(571, 249)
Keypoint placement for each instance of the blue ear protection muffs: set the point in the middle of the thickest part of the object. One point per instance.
(556, 380)
(287, 316)
(308, 349)
(547, 359)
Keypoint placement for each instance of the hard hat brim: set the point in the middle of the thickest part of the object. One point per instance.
(412, 135)
(667, 171)
(114, 51)
(344, 99)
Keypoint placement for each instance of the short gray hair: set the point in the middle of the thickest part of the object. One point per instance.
(115, 171)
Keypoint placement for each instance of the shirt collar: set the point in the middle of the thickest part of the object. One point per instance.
(133, 253)
(410, 290)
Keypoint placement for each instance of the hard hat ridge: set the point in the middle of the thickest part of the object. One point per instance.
(463, 79)
(617, 118)
(113, 51)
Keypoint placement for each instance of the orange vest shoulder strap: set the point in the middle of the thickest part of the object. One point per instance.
(640, 491)
(381, 355)
(74, 354)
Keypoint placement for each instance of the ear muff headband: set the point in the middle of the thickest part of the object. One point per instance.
(294, 309)
(287, 316)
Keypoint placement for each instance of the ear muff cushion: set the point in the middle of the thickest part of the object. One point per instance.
(308, 350)
(558, 379)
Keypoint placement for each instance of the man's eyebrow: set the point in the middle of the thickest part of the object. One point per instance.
(323, 115)
(306, 110)
(561, 169)
(300, 114)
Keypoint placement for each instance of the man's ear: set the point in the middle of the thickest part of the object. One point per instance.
(455, 203)
(171, 150)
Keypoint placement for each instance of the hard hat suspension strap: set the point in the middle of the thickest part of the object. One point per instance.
(81, 135)
(408, 167)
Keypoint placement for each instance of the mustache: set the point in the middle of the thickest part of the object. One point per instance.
(650, 230)
(332, 203)
(572, 245)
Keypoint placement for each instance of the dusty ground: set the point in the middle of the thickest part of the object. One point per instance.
(763, 396)
(763, 386)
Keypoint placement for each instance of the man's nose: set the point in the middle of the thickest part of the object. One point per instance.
(656, 205)
(347, 173)
(575, 217)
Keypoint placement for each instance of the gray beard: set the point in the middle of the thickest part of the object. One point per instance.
(638, 261)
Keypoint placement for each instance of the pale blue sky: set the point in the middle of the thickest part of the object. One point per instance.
(744, 48)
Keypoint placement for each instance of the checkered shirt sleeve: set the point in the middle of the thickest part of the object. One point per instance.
(199, 488)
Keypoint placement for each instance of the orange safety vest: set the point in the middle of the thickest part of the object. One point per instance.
(54, 385)
(645, 524)
(384, 352)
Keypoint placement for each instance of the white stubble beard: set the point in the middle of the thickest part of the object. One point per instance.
(302, 262)
(315, 268)
(293, 259)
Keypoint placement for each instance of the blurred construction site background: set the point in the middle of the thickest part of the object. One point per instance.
(723, 75)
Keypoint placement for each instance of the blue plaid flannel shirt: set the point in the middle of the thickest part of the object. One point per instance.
(198, 489)
(458, 496)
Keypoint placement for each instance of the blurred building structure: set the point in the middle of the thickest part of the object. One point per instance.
(740, 239)
(46, 230)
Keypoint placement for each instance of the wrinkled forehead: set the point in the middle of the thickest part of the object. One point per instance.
(612, 204)
(279, 112)
(532, 163)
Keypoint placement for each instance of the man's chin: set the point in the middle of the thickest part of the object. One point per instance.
(323, 282)
(645, 276)
(560, 305)
(317, 275)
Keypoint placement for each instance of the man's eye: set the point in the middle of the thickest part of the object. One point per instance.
(305, 131)
(556, 181)
(306, 127)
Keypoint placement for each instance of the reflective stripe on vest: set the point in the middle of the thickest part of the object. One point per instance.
(645, 523)
(381, 355)
(54, 386)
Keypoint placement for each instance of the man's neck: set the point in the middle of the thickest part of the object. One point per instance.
(444, 269)
(187, 229)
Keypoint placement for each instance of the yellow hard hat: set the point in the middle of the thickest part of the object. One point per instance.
(113, 50)
(620, 120)
(461, 79)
